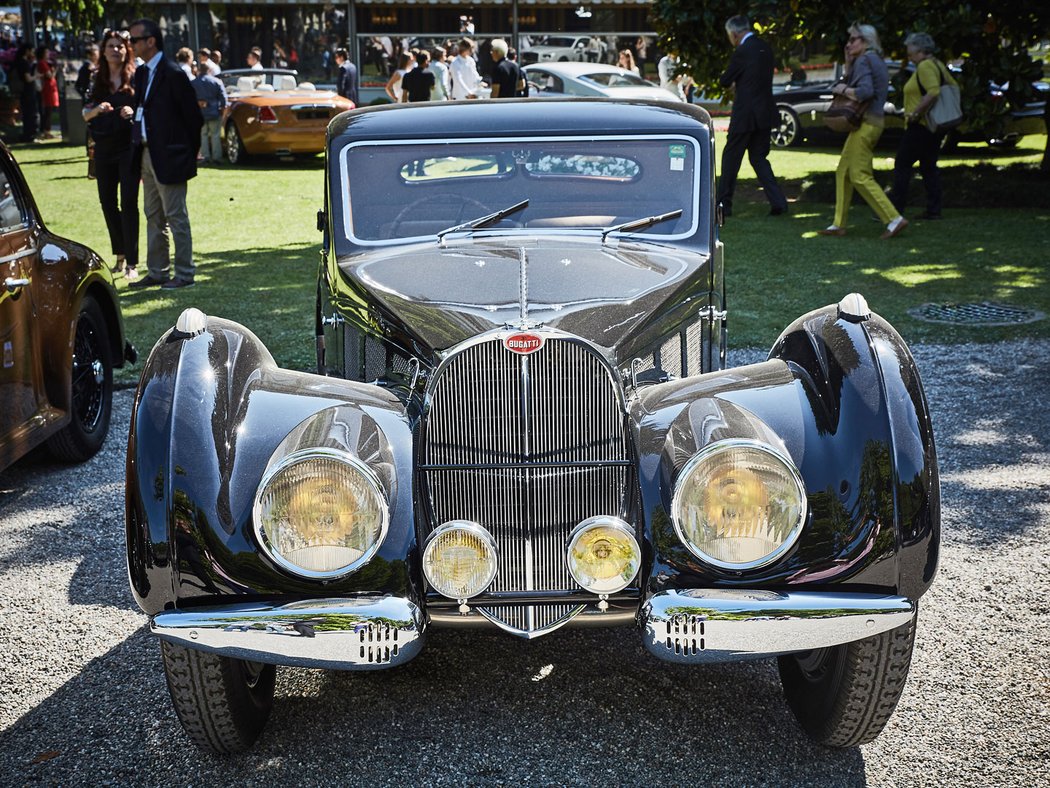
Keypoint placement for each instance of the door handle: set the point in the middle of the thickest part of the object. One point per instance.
(14, 285)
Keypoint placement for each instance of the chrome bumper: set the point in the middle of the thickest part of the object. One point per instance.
(366, 633)
(712, 625)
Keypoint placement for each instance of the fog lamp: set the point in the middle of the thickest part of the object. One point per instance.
(739, 504)
(459, 559)
(603, 555)
(320, 513)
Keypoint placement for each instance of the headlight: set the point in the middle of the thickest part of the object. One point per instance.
(459, 559)
(739, 504)
(320, 513)
(603, 555)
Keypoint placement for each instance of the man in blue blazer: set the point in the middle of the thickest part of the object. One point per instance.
(348, 82)
(167, 131)
(750, 72)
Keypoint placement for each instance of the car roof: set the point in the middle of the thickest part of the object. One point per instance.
(427, 121)
(577, 69)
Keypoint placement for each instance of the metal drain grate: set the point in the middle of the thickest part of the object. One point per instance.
(985, 314)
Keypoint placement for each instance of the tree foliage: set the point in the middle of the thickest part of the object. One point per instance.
(993, 37)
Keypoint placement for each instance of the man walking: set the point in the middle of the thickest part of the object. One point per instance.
(166, 131)
(750, 72)
(466, 81)
(347, 82)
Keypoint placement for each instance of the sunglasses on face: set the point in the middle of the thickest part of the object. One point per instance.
(136, 39)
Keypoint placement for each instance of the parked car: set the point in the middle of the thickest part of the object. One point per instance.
(271, 113)
(560, 49)
(801, 108)
(61, 333)
(559, 80)
(523, 420)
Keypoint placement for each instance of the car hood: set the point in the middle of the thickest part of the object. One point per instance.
(607, 294)
(654, 93)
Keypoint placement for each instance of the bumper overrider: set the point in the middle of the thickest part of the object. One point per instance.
(688, 626)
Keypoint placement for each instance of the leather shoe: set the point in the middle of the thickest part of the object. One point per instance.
(149, 280)
(837, 232)
(896, 230)
(177, 282)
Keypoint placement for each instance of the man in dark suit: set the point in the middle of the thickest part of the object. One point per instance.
(166, 130)
(347, 82)
(750, 71)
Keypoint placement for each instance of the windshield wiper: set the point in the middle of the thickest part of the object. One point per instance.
(485, 221)
(640, 224)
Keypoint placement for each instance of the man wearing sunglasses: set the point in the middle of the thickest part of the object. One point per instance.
(166, 130)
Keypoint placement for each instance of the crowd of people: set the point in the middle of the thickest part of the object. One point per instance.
(866, 83)
(431, 75)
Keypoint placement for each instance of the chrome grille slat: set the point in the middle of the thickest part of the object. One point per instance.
(489, 407)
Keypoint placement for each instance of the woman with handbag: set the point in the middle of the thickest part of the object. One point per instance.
(109, 113)
(921, 141)
(867, 82)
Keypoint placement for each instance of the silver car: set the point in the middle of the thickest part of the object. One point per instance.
(553, 80)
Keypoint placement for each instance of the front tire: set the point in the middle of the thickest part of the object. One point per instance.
(222, 703)
(234, 145)
(843, 696)
(787, 132)
(91, 391)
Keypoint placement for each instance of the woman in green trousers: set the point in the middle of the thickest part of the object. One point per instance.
(866, 78)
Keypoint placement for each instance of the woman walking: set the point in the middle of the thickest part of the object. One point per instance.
(866, 80)
(109, 115)
(919, 144)
(45, 75)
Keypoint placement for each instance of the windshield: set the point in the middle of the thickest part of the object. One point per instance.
(612, 80)
(394, 192)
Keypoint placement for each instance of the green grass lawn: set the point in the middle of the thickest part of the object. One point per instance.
(257, 248)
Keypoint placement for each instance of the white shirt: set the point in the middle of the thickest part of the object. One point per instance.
(466, 81)
(213, 69)
(258, 66)
(440, 90)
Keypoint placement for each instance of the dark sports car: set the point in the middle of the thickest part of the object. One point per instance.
(61, 333)
(523, 420)
(801, 109)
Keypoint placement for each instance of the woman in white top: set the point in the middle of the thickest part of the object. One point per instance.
(439, 69)
(393, 86)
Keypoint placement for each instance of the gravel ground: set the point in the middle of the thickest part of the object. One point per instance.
(83, 701)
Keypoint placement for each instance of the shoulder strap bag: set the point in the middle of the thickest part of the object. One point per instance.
(846, 114)
(946, 112)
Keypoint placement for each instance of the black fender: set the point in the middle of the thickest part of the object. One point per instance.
(840, 395)
(211, 410)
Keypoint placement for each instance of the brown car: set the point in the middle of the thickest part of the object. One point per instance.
(61, 333)
(271, 113)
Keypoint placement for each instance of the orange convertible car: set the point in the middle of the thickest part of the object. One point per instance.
(270, 112)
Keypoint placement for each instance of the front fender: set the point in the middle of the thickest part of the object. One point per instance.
(840, 394)
(211, 409)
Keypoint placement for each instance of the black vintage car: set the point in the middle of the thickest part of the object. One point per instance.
(801, 108)
(523, 420)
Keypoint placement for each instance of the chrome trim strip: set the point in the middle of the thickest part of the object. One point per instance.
(363, 633)
(589, 617)
(10, 258)
(714, 625)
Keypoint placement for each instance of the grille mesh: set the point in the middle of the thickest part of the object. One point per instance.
(496, 422)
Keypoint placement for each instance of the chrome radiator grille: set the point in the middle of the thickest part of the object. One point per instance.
(527, 446)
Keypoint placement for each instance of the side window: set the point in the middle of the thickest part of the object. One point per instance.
(11, 213)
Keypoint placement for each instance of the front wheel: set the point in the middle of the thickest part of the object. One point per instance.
(787, 132)
(222, 703)
(234, 145)
(843, 696)
(91, 392)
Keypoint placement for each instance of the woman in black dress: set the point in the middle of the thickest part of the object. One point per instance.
(109, 115)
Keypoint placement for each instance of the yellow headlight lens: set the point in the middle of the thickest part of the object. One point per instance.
(739, 504)
(459, 559)
(603, 555)
(320, 513)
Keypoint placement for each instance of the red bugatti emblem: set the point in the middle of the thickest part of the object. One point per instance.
(523, 344)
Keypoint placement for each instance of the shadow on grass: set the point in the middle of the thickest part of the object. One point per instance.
(270, 291)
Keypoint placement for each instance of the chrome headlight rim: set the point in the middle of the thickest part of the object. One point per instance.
(313, 453)
(726, 445)
(589, 524)
(473, 528)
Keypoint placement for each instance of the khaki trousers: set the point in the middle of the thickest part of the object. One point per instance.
(855, 172)
(165, 208)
